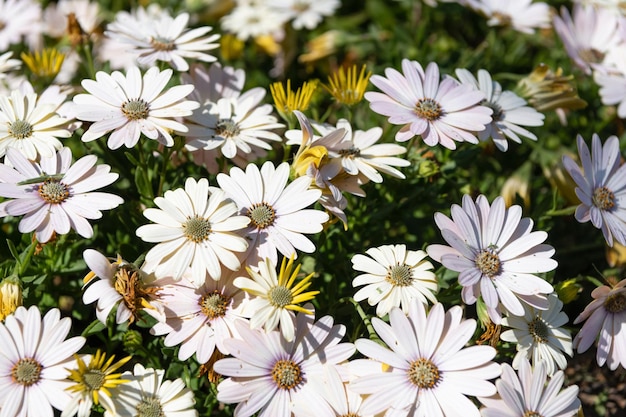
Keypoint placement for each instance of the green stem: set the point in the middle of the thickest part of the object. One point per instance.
(366, 320)
(20, 267)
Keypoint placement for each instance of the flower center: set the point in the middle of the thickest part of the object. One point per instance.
(214, 305)
(591, 55)
(349, 415)
(428, 109)
(53, 191)
(351, 152)
(399, 275)
(603, 198)
(488, 263)
(532, 414)
(150, 407)
(197, 229)
(162, 44)
(280, 296)
(94, 379)
(27, 371)
(287, 374)
(227, 128)
(538, 330)
(261, 215)
(424, 373)
(498, 113)
(20, 129)
(136, 109)
(615, 303)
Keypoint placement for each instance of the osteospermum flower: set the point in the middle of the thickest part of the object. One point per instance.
(160, 37)
(10, 296)
(394, 277)
(510, 111)
(277, 211)
(600, 186)
(430, 372)
(540, 336)
(54, 195)
(604, 320)
(288, 101)
(305, 13)
(270, 375)
(195, 227)
(147, 394)
(496, 255)
(93, 380)
(29, 126)
(116, 283)
(440, 112)
(198, 319)
(346, 86)
(19, 19)
(34, 356)
(276, 298)
(523, 15)
(531, 393)
(132, 104)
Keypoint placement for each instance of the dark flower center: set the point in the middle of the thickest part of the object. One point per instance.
(424, 374)
(615, 303)
(53, 191)
(488, 263)
(261, 215)
(538, 330)
(227, 128)
(428, 109)
(27, 371)
(136, 109)
(287, 374)
(603, 198)
(214, 305)
(400, 275)
(162, 44)
(352, 152)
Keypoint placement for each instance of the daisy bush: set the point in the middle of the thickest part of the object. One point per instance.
(293, 208)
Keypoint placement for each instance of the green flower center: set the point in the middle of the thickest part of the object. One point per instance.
(53, 191)
(615, 303)
(227, 128)
(424, 374)
(27, 371)
(150, 407)
(261, 215)
(20, 129)
(428, 109)
(280, 296)
(539, 330)
(214, 305)
(162, 44)
(94, 379)
(197, 229)
(603, 198)
(488, 263)
(287, 374)
(136, 109)
(400, 275)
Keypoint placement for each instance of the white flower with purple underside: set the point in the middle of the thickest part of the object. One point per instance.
(510, 111)
(604, 319)
(55, 195)
(34, 356)
(195, 227)
(132, 104)
(278, 212)
(496, 255)
(439, 111)
(393, 277)
(199, 319)
(600, 186)
(270, 375)
(430, 372)
(530, 392)
(540, 336)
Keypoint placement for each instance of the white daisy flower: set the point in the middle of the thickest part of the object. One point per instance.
(8, 64)
(430, 372)
(523, 15)
(394, 277)
(20, 19)
(195, 227)
(253, 19)
(529, 392)
(305, 13)
(496, 255)
(30, 125)
(440, 112)
(160, 37)
(199, 319)
(600, 186)
(269, 375)
(277, 211)
(131, 105)
(54, 195)
(34, 357)
(86, 12)
(147, 394)
(510, 111)
(539, 336)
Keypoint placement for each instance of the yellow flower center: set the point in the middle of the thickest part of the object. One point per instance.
(20, 129)
(287, 374)
(53, 191)
(136, 109)
(428, 109)
(27, 371)
(488, 263)
(532, 414)
(261, 215)
(280, 296)
(197, 229)
(161, 44)
(603, 198)
(214, 305)
(399, 275)
(615, 303)
(424, 374)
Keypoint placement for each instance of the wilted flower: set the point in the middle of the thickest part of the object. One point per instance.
(10, 296)
(547, 90)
